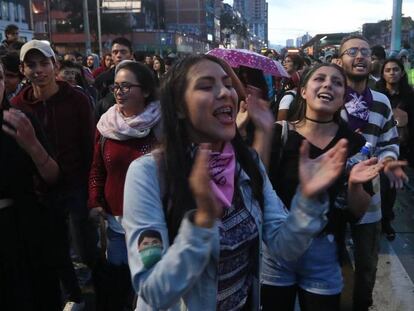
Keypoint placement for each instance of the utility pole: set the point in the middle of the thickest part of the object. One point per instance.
(98, 16)
(31, 15)
(86, 27)
(49, 21)
(396, 26)
(157, 7)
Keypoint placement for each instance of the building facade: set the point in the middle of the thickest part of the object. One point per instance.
(380, 33)
(17, 13)
(256, 14)
(192, 17)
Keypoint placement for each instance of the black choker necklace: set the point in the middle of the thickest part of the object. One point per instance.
(320, 122)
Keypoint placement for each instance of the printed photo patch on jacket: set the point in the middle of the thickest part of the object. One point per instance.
(150, 247)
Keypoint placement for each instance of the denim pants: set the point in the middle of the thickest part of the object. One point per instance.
(81, 230)
(73, 227)
(116, 248)
(366, 239)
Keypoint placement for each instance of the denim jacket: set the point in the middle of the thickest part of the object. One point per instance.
(186, 276)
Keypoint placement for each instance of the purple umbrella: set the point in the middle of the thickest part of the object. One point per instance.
(241, 57)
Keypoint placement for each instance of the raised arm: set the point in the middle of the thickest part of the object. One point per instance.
(18, 126)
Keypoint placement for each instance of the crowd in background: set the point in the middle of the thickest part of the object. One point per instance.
(209, 212)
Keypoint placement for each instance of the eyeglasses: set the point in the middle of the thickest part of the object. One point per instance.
(124, 88)
(353, 52)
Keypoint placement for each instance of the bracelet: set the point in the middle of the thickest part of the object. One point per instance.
(45, 162)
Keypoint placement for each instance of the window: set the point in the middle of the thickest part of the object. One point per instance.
(22, 13)
(16, 12)
(5, 10)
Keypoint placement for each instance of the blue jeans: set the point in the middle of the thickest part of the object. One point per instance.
(317, 271)
(116, 248)
(72, 226)
(73, 203)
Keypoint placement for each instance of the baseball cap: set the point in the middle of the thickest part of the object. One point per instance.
(42, 46)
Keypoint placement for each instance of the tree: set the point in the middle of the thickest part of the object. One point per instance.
(235, 24)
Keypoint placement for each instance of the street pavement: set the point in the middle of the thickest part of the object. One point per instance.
(394, 288)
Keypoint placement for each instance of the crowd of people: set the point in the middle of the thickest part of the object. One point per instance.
(170, 183)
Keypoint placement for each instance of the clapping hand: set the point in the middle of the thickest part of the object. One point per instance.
(316, 175)
(18, 126)
(365, 171)
(395, 173)
(242, 116)
(259, 112)
(208, 208)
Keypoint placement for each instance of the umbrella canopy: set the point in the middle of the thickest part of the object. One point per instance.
(241, 57)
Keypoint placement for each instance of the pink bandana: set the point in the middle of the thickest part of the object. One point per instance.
(222, 169)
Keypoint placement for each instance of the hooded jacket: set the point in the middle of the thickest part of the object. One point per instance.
(68, 122)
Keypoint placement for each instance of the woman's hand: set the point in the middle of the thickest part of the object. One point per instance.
(207, 207)
(318, 174)
(260, 114)
(395, 173)
(20, 129)
(365, 171)
(242, 117)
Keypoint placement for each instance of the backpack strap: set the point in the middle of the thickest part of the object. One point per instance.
(285, 131)
(283, 137)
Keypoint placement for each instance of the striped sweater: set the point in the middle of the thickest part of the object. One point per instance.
(382, 133)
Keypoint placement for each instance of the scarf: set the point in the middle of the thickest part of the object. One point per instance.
(222, 167)
(115, 126)
(357, 107)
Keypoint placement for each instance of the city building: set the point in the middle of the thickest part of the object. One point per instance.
(380, 33)
(233, 28)
(290, 43)
(324, 44)
(154, 26)
(303, 40)
(193, 17)
(256, 14)
(17, 13)
(299, 42)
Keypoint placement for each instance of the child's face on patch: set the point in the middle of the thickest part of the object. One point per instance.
(148, 241)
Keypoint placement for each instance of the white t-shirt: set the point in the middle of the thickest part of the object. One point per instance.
(287, 100)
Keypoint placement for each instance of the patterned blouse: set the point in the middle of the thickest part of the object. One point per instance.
(238, 236)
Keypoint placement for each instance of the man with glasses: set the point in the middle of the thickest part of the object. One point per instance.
(370, 113)
(11, 43)
(121, 50)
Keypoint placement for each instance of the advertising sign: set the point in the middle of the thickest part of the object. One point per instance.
(121, 6)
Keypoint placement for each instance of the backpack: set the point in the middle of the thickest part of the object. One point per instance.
(274, 106)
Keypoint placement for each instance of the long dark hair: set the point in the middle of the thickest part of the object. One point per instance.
(255, 77)
(178, 156)
(299, 104)
(403, 87)
(162, 64)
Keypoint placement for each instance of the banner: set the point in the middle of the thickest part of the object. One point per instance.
(121, 6)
